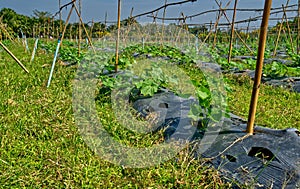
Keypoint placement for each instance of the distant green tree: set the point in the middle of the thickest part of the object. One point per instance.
(42, 16)
(15, 21)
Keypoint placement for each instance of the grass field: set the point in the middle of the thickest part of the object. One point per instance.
(41, 146)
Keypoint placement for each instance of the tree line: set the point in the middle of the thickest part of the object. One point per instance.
(42, 24)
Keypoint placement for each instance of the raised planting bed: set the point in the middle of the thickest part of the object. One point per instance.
(151, 96)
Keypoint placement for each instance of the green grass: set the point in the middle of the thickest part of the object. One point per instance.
(277, 107)
(41, 145)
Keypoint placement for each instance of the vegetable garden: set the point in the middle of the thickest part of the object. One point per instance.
(151, 105)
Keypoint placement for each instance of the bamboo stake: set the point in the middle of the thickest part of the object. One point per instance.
(129, 25)
(91, 30)
(67, 21)
(248, 27)
(45, 32)
(184, 24)
(288, 27)
(298, 29)
(57, 32)
(163, 23)
(280, 29)
(278, 37)
(79, 30)
(210, 28)
(59, 44)
(216, 26)
(53, 27)
(237, 34)
(207, 36)
(70, 33)
(118, 36)
(60, 16)
(48, 29)
(259, 66)
(105, 20)
(39, 30)
(232, 31)
(13, 56)
(86, 32)
(154, 22)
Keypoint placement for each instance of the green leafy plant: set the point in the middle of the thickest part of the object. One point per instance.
(153, 79)
(275, 70)
(294, 56)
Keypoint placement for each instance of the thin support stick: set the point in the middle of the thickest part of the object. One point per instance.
(163, 23)
(66, 24)
(60, 15)
(288, 28)
(248, 27)
(278, 36)
(259, 66)
(82, 23)
(216, 23)
(91, 29)
(232, 32)
(79, 30)
(53, 63)
(13, 56)
(34, 49)
(298, 28)
(280, 29)
(237, 34)
(118, 36)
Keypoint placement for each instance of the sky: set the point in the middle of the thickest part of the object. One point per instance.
(96, 9)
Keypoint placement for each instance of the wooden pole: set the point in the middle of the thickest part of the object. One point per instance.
(13, 56)
(222, 11)
(216, 26)
(60, 20)
(105, 20)
(248, 27)
(237, 34)
(79, 29)
(33, 31)
(280, 28)
(298, 29)
(91, 30)
(39, 30)
(70, 33)
(53, 28)
(288, 27)
(118, 36)
(44, 34)
(48, 29)
(278, 36)
(259, 66)
(86, 32)
(232, 32)
(67, 21)
(163, 24)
